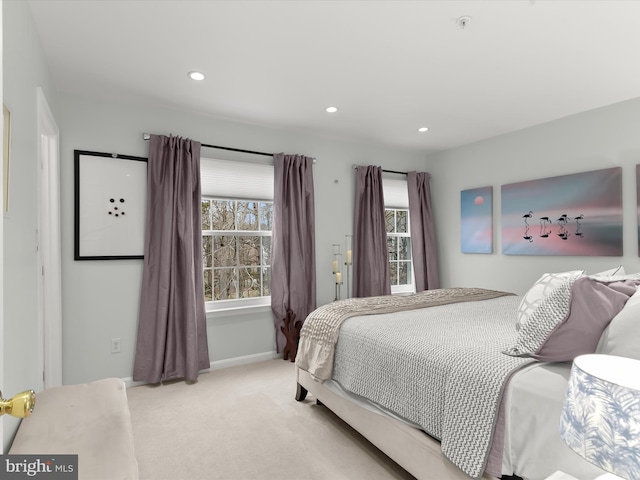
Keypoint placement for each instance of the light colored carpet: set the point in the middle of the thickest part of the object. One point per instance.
(244, 423)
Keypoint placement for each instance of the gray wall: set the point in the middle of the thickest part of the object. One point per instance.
(24, 69)
(101, 298)
(593, 140)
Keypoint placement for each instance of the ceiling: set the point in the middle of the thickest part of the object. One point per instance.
(389, 66)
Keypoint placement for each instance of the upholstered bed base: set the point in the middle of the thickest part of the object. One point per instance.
(409, 447)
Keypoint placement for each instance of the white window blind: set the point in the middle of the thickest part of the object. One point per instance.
(236, 179)
(396, 194)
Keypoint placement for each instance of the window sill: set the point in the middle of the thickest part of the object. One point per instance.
(230, 310)
(402, 290)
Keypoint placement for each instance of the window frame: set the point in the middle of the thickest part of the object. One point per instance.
(236, 303)
(409, 287)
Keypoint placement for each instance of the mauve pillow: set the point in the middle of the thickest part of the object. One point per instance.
(571, 320)
(622, 336)
(593, 305)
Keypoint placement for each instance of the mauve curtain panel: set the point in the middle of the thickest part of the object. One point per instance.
(172, 335)
(423, 236)
(370, 254)
(293, 245)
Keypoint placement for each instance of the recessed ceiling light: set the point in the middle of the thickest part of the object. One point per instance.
(196, 75)
(423, 129)
(331, 109)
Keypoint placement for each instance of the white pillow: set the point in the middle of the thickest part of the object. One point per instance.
(622, 335)
(619, 270)
(540, 290)
(618, 277)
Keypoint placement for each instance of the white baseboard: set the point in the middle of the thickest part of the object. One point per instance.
(244, 360)
(220, 364)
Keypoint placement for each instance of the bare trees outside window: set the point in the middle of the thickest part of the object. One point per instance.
(399, 246)
(236, 248)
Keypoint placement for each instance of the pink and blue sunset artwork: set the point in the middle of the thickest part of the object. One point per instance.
(577, 214)
(476, 225)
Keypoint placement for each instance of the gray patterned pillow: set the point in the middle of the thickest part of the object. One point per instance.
(548, 312)
(540, 290)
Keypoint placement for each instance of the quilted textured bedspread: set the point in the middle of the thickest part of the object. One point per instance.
(441, 367)
(321, 327)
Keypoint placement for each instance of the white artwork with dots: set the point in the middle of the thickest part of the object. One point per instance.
(112, 204)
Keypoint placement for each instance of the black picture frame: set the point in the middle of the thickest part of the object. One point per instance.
(110, 193)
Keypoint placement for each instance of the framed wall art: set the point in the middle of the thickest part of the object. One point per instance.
(577, 214)
(476, 220)
(110, 206)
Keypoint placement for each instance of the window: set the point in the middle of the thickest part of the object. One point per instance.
(236, 245)
(399, 247)
(396, 199)
(237, 214)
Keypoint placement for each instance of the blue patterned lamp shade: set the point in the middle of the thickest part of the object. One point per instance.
(601, 415)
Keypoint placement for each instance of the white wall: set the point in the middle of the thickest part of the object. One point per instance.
(101, 298)
(24, 69)
(594, 140)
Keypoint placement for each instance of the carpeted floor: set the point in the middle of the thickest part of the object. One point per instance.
(243, 423)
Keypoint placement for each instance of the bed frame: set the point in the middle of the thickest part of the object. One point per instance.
(412, 449)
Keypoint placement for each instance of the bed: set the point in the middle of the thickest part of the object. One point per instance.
(464, 382)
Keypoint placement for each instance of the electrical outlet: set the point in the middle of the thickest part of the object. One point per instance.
(115, 345)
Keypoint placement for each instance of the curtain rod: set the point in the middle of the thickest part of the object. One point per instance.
(355, 167)
(146, 136)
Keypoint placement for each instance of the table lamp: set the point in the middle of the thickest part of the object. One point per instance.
(600, 418)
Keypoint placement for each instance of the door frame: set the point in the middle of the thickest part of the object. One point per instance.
(2, 340)
(49, 245)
